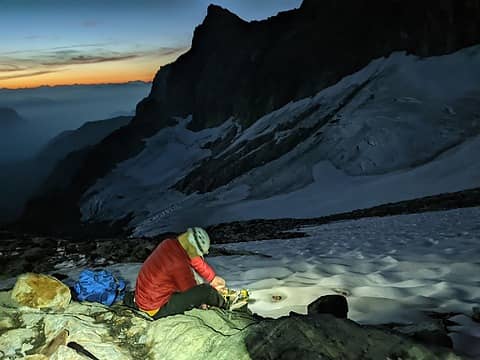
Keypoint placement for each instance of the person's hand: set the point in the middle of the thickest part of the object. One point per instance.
(218, 283)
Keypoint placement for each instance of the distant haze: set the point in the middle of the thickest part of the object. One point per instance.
(47, 111)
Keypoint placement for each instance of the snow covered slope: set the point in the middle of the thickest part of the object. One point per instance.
(401, 128)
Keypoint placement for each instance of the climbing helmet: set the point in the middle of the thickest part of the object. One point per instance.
(199, 239)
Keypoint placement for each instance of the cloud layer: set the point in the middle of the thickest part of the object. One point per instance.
(31, 63)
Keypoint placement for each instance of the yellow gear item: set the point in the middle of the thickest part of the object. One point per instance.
(235, 298)
(150, 312)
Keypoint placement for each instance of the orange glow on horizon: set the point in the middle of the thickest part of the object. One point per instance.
(49, 80)
(79, 77)
(142, 69)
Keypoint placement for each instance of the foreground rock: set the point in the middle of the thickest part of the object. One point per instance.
(119, 333)
(41, 291)
(330, 304)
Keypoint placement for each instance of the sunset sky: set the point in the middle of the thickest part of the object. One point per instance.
(51, 42)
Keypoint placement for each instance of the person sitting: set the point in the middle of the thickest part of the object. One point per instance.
(166, 284)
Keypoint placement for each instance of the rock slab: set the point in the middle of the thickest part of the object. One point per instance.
(117, 332)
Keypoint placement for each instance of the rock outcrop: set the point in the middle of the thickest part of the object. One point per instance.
(119, 333)
(245, 69)
(329, 304)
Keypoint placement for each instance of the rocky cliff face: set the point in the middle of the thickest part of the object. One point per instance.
(246, 70)
(243, 70)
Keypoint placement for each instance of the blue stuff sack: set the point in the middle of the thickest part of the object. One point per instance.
(99, 286)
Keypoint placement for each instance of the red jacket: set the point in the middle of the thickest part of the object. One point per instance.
(167, 270)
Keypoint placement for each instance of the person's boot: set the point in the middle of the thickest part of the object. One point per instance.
(129, 300)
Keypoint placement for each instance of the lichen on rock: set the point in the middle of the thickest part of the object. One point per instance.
(40, 291)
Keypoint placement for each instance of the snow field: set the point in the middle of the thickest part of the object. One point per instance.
(391, 269)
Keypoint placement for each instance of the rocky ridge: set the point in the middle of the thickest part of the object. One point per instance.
(110, 243)
(56, 162)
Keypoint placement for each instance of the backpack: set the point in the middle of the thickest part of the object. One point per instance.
(99, 286)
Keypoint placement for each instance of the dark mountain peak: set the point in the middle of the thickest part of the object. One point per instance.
(217, 13)
(309, 4)
(5, 111)
(217, 22)
(9, 117)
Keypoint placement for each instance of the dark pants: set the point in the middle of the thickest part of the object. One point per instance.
(192, 298)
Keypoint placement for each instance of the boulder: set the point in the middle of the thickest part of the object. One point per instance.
(40, 291)
(431, 332)
(324, 336)
(329, 304)
(476, 313)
